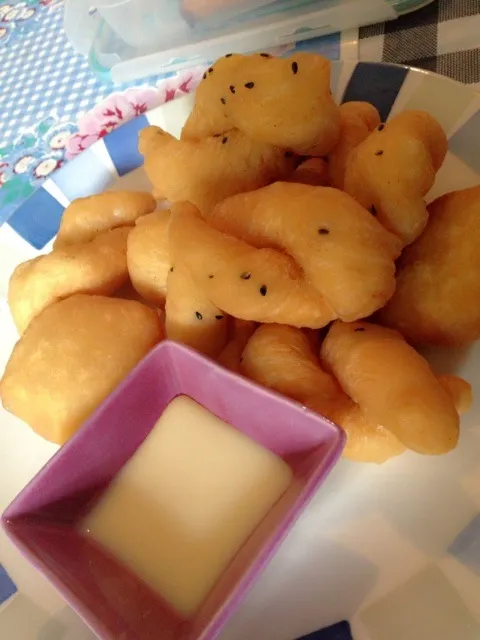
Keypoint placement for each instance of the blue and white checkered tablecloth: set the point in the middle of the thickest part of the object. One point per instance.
(41, 74)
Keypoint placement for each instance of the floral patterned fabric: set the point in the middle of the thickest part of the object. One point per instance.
(37, 150)
(17, 18)
(118, 108)
(34, 156)
(52, 105)
(43, 149)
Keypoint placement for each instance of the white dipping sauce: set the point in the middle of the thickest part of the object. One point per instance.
(183, 505)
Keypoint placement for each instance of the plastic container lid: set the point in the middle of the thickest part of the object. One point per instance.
(129, 39)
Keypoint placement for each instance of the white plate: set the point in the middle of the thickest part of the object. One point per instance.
(376, 541)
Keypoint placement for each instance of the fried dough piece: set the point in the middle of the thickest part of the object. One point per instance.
(240, 333)
(366, 441)
(128, 292)
(285, 102)
(343, 251)
(85, 218)
(96, 267)
(459, 390)
(281, 358)
(190, 317)
(393, 384)
(357, 121)
(392, 170)
(206, 171)
(261, 285)
(148, 256)
(438, 277)
(71, 357)
(313, 171)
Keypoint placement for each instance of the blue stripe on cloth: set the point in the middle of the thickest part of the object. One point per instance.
(339, 631)
(38, 218)
(83, 176)
(376, 83)
(465, 143)
(122, 145)
(466, 546)
(12, 193)
(7, 586)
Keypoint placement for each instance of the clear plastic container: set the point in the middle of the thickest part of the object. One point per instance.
(129, 39)
(407, 6)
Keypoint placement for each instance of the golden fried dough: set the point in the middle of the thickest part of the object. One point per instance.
(366, 441)
(459, 390)
(392, 170)
(261, 285)
(71, 357)
(128, 292)
(342, 250)
(97, 267)
(85, 218)
(285, 102)
(148, 256)
(239, 334)
(282, 359)
(190, 317)
(357, 121)
(313, 171)
(393, 385)
(438, 277)
(206, 171)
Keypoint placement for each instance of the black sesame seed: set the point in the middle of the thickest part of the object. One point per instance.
(219, 317)
(229, 55)
(232, 89)
(263, 290)
(204, 76)
(249, 85)
(222, 100)
(294, 67)
(171, 269)
(323, 232)
(288, 154)
(379, 152)
(210, 276)
(224, 140)
(210, 70)
(199, 315)
(217, 135)
(381, 127)
(246, 276)
(265, 55)
(373, 210)
(359, 329)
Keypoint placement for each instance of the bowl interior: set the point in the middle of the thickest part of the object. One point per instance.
(43, 518)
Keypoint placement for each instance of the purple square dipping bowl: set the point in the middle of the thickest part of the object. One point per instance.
(42, 520)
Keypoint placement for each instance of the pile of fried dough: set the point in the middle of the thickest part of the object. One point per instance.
(277, 224)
